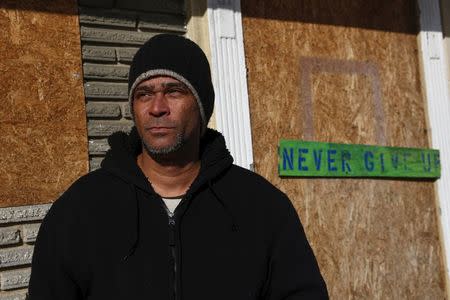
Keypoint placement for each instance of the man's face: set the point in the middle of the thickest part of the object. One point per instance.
(166, 115)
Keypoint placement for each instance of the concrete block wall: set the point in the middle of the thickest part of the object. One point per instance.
(111, 32)
(18, 230)
(110, 36)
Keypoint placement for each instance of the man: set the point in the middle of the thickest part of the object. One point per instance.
(168, 216)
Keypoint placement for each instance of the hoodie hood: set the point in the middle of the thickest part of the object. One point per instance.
(120, 160)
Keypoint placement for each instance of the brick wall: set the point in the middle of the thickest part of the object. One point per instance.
(111, 32)
(18, 231)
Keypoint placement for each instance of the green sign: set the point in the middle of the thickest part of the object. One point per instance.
(316, 159)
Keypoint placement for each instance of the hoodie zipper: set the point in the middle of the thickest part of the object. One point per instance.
(172, 244)
(172, 250)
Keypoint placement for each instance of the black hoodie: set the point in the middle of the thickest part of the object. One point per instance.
(234, 236)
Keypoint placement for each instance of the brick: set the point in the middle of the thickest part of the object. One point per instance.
(30, 232)
(99, 71)
(103, 35)
(161, 27)
(106, 90)
(23, 213)
(126, 111)
(106, 128)
(107, 17)
(16, 256)
(126, 54)
(103, 109)
(15, 295)
(15, 279)
(95, 53)
(163, 22)
(98, 146)
(94, 163)
(9, 236)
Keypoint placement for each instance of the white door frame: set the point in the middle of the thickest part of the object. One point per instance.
(230, 78)
(435, 66)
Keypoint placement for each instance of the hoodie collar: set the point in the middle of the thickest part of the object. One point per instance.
(120, 160)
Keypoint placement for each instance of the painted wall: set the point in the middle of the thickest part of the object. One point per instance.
(198, 31)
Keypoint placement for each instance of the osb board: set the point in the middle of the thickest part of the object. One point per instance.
(347, 72)
(43, 141)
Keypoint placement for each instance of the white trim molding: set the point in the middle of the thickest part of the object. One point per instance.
(438, 103)
(230, 78)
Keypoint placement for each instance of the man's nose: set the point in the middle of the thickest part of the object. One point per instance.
(159, 105)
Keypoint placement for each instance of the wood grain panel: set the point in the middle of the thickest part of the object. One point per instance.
(374, 239)
(43, 141)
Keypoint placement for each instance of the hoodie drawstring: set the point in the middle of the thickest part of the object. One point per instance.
(136, 241)
(234, 226)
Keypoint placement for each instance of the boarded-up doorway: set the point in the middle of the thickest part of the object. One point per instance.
(347, 72)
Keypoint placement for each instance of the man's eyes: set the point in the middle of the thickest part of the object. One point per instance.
(171, 92)
(176, 91)
(142, 95)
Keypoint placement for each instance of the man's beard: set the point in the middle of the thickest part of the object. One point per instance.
(179, 142)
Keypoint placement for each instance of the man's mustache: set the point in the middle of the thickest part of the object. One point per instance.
(160, 123)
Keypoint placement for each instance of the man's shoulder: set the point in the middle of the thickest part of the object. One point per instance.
(251, 184)
(250, 193)
(90, 194)
(244, 176)
(92, 180)
(89, 186)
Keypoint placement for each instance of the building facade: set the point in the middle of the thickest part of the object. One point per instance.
(342, 72)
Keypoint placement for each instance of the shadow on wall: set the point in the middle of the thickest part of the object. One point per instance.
(377, 15)
(381, 15)
(55, 7)
(445, 11)
(62, 7)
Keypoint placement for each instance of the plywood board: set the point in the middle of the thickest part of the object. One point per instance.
(347, 72)
(43, 141)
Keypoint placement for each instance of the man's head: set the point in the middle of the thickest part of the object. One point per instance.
(179, 58)
(168, 68)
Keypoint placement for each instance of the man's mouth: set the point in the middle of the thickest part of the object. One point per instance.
(159, 129)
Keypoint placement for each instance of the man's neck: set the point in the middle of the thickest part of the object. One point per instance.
(169, 176)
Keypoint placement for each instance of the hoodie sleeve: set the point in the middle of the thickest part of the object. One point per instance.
(50, 275)
(293, 271)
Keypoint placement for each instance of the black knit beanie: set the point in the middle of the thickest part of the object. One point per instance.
(177, 57)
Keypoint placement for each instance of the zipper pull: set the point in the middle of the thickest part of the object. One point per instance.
(171, 231)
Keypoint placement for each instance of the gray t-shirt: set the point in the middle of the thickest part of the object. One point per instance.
(172, 203)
